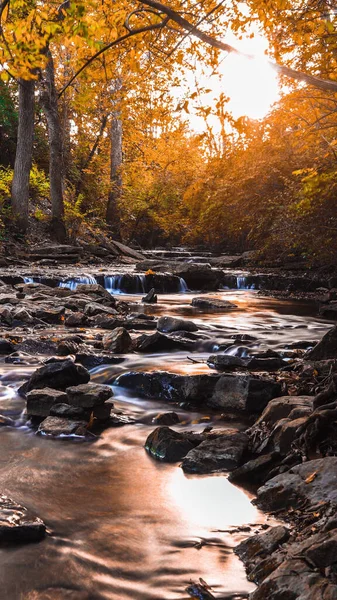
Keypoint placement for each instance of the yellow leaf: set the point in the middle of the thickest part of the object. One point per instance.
(311, 477)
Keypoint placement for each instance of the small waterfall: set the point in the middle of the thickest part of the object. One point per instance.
(182, 285)
(29, 280)
(125, 284)
(73, 283)
(242, 284)
(113, 284)
(141, 284)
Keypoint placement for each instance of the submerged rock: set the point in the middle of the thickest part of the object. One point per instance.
(225, 362)
(170, 324)
(158, 342)
(169, 446)
(17, 524)
(6, 347)
(151, 297)
(223, 453)
(213, 304)
(56, 375)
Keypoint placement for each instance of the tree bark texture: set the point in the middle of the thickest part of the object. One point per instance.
(49, 101)
(23, 156)
(116, 158)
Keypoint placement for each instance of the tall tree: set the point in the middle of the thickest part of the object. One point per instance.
(23, 157)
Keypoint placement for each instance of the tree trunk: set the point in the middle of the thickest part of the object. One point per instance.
(116, 157)
(49, 101)
(23, 156)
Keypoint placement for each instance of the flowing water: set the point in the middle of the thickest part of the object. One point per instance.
(123, 526)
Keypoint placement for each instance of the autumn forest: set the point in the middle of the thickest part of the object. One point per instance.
(97, 130)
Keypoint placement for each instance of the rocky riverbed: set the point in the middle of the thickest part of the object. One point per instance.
(217, 383)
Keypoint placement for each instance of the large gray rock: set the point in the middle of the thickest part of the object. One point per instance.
(17, 524)
(39, 402)
(241, 393)
(118, 341)
(88, 395)
(6, 347)
(158, 342)
(57, 375)
(263, 544)
(223, 453)
(170, 324)
(311, 482)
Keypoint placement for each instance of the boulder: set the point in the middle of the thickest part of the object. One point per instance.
(238, 393)
(118, 341)
(326, 348)
(40, 401)
(88, 395)
(169, 446)
(223, 453)
(55, 426)
(57, 375)
(170, 324)
(213, 304)
(52, 316)
(94, 308)
(17, 524)
(312, 482)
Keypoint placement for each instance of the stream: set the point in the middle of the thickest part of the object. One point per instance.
(121, 525)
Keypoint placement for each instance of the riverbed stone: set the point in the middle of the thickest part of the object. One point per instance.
(311, 482)
(57, 375)
(158, 342)
(255, 471)
(263, 544)
(223, 453)
(88, 395)
(17, 524)
(55, 426)
(238, 393)
(66, 411)
(170, 324)
(168, 445)
(212, 304)
(281, 408)
(94, 308)
(76, 319)
(118, 341)
(226, 362)
(326, 348)
(95, 289)
(40, 401)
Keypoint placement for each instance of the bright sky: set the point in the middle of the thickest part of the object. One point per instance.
(251, 84)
